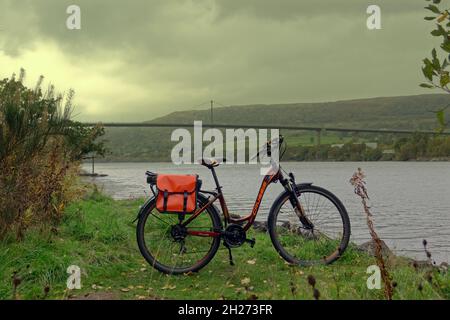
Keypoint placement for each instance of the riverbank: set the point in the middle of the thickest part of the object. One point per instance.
(97, 234)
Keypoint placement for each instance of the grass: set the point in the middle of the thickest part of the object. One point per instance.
(98, 235)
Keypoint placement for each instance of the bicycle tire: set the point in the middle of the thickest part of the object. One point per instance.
(272, 226)
(173, 270)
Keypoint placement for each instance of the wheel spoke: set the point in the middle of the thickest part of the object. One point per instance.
(160, 219)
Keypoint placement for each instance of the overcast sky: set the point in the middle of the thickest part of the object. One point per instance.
(138, 59)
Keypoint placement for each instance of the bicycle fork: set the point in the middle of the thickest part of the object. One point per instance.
(291, 186)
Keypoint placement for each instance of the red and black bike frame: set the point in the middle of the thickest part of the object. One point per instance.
(288, 184)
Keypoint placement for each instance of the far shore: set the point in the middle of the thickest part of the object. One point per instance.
(287, 161)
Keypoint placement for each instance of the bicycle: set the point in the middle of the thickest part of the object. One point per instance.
(307, 224)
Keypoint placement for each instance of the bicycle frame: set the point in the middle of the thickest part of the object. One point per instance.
(218, 195)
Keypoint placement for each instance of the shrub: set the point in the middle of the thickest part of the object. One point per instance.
(40, 149)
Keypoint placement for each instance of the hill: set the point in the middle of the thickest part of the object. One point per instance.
(406, 112)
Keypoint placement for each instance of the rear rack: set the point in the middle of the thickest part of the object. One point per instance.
(152, 177)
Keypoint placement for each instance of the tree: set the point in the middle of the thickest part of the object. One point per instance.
(435, 69)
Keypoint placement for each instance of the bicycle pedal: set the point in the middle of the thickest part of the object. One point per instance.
(251, 241)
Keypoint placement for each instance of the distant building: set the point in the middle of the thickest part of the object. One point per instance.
(371, 145)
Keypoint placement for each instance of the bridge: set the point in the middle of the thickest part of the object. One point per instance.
(318, 130)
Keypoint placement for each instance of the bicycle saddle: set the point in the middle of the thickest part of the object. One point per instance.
(211, 162)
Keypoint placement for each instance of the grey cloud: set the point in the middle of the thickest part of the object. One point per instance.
(238, 52)
(162, 27)
(296, 9)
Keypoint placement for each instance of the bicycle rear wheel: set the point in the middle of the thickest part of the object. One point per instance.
(169, 248)
(328, 238)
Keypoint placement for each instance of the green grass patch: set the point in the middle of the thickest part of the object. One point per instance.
(97, 234)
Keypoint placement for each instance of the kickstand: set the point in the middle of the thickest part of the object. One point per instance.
(229, 254)
(183, 248)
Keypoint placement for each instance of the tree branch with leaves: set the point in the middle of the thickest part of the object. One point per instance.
(435, 69)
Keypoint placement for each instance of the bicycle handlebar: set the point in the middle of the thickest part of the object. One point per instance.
(268, 146)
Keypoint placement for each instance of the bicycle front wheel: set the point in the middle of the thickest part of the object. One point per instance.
(170, 248)
(321, 242)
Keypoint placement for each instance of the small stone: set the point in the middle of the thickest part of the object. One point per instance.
(369, 247)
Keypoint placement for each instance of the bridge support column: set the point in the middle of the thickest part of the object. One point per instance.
(318, 136)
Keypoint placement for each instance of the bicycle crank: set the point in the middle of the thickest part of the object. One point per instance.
(234, 236)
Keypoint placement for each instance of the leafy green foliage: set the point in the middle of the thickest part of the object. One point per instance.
(420, 146)
(39, 147)
(435, 71)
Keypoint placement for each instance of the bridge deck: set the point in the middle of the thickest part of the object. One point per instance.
(255, 126)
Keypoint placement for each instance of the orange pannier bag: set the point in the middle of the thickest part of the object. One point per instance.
(176, 193)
